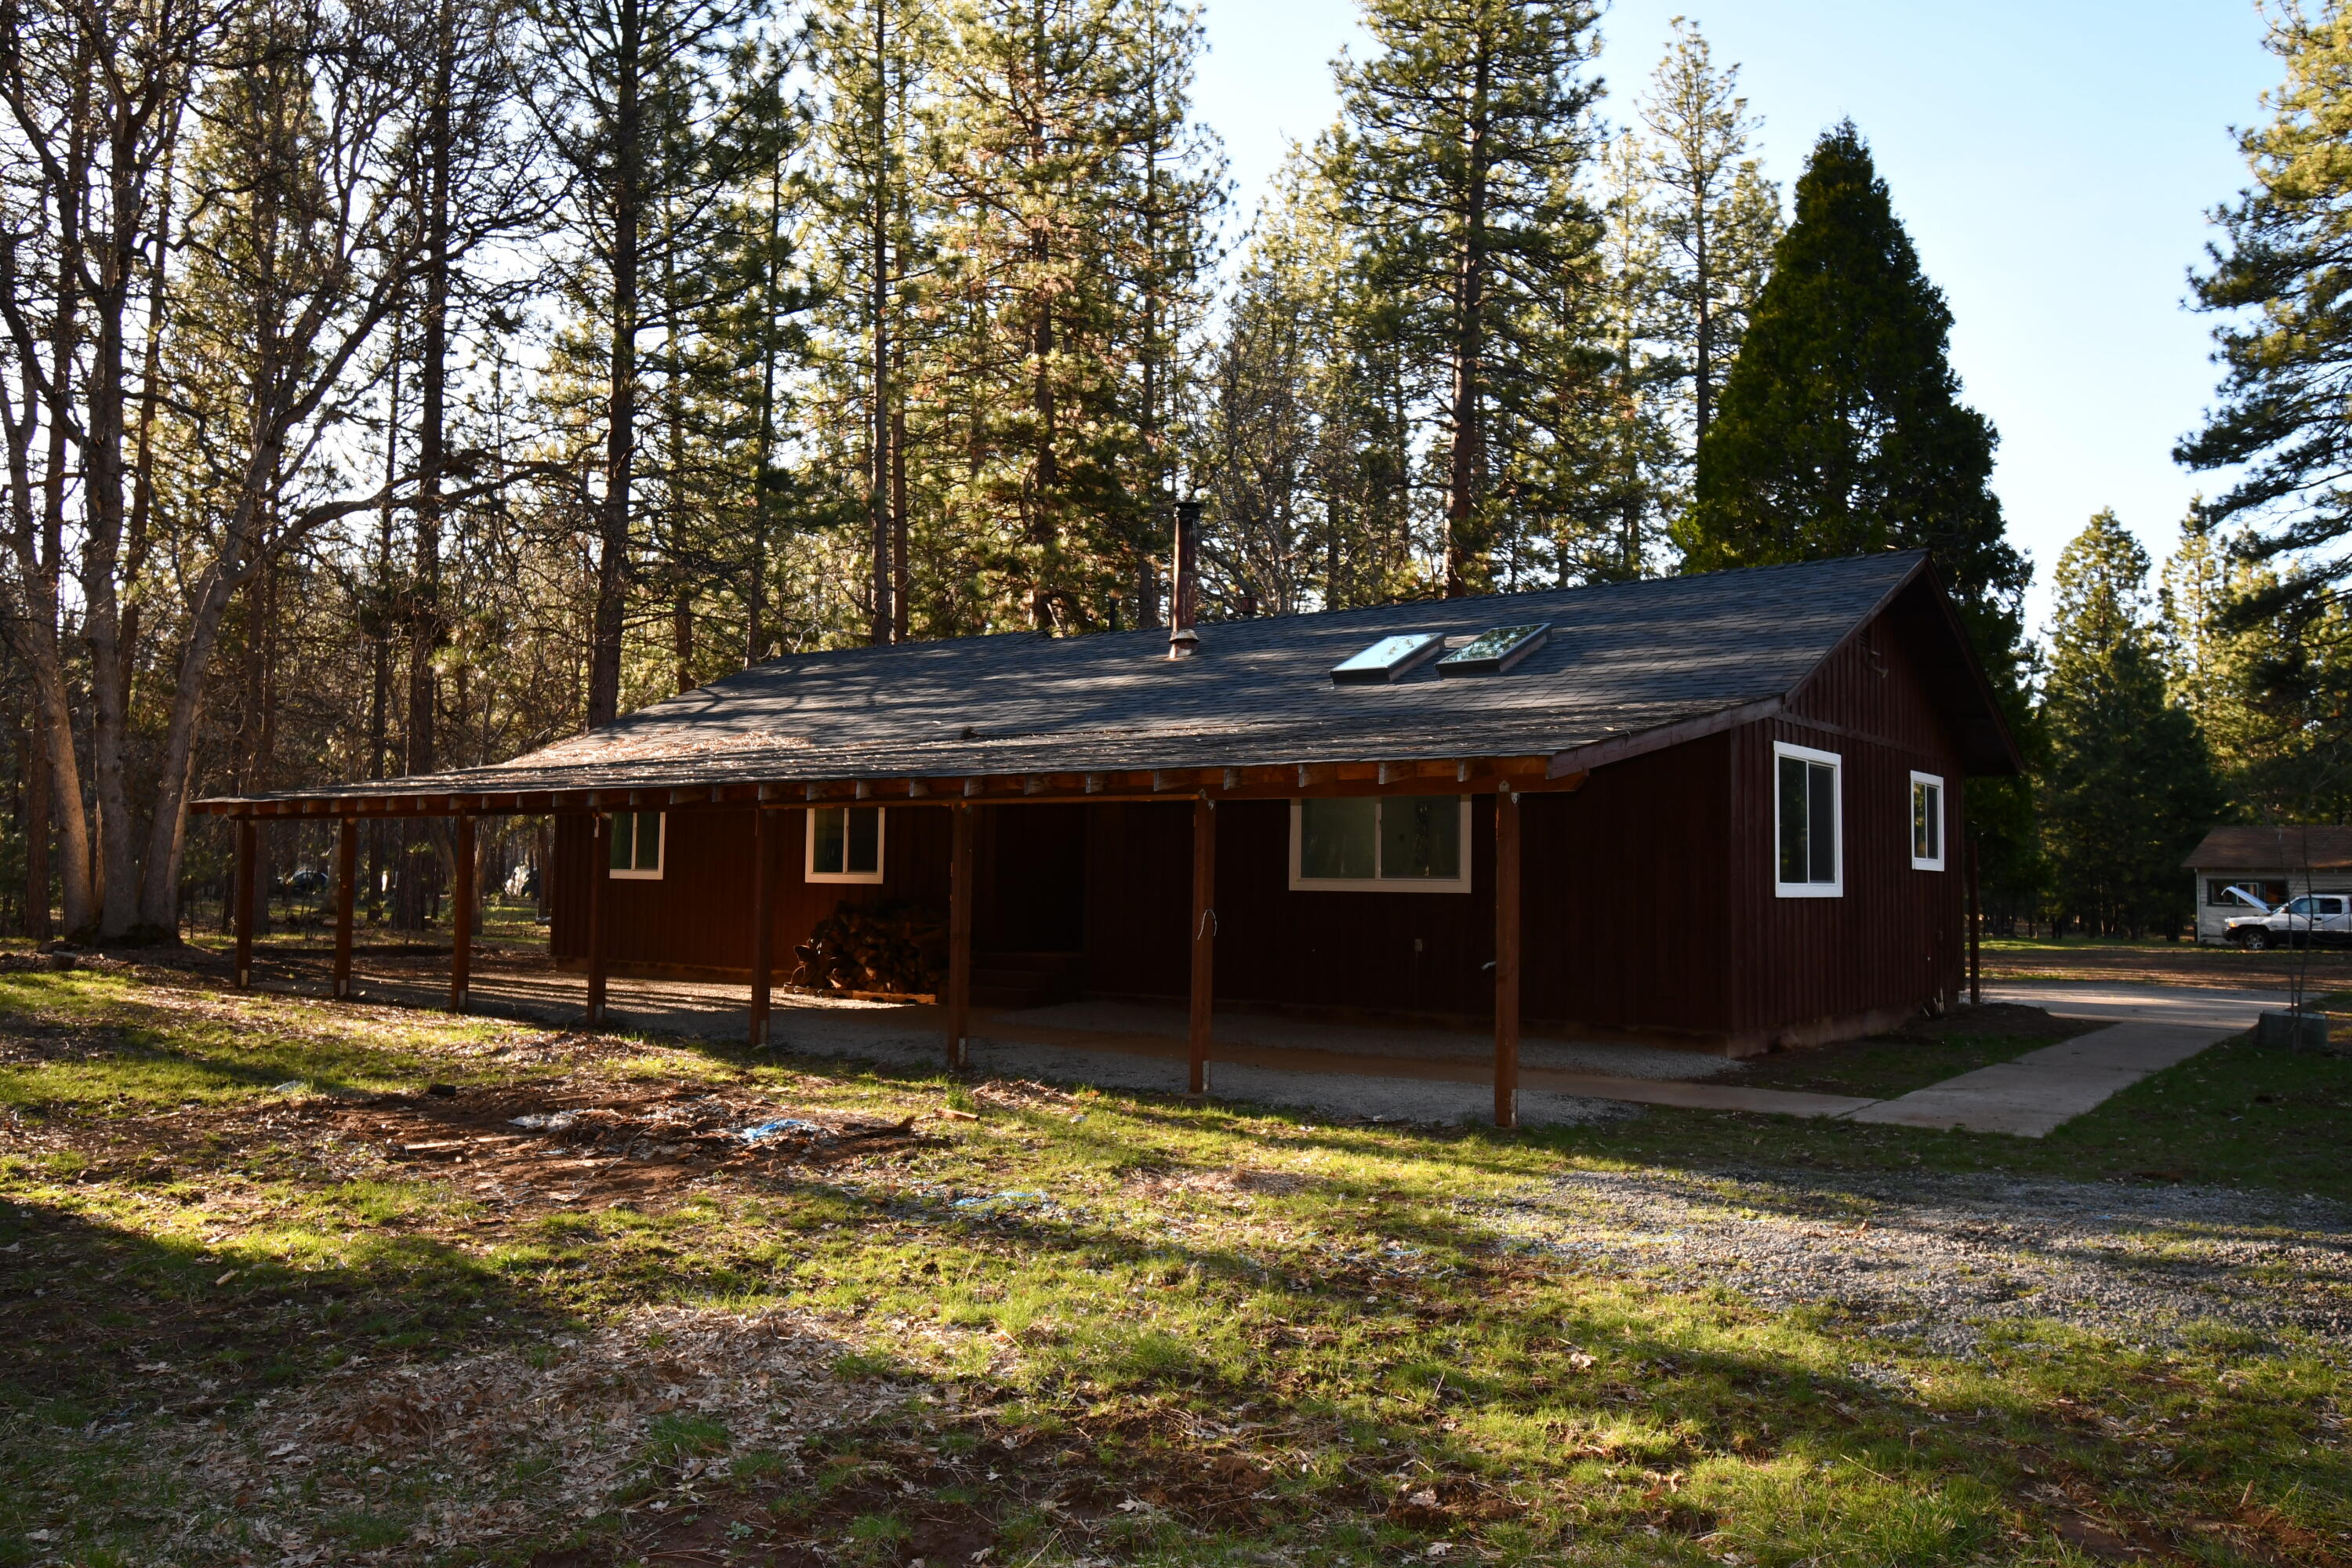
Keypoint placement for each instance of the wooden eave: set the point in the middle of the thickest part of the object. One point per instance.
(1286, 781)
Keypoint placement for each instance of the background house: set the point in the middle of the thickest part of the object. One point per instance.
(2274, 864)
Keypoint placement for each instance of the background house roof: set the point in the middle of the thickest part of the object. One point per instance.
(2289, 848)
(1623, 660)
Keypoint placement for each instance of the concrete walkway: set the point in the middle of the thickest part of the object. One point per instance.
(2153, 1028)
(2041, 1090)
(1403, 1072)
(2136, 1002)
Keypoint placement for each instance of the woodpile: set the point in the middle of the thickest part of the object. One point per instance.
(894, 948)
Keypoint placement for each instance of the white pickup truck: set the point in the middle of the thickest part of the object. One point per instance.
(2318, 920)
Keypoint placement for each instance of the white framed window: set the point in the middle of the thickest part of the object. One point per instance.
(1809, 857)
(1381, 844)
(1927, 822)
(844, 844)
(636, 846)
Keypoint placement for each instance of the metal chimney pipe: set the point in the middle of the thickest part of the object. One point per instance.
(1183, 641)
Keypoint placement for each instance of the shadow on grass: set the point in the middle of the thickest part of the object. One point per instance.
(103, 1318)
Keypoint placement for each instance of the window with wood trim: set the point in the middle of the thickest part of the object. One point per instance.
(1927, 822)
(636, 846)
(1382, 843)
(844, 844)
(1809, 857)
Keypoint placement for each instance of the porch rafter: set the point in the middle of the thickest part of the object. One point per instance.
(1276, 780)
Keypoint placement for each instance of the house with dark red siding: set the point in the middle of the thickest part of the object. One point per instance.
(1725, 810)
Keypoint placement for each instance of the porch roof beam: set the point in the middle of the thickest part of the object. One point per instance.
(1283, 781)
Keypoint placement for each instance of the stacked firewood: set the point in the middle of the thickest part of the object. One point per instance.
(896, 948)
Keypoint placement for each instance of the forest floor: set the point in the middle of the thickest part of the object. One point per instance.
(2164, 964)
(290, 1281)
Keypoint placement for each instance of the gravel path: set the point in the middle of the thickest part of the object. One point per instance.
(1935, 1258)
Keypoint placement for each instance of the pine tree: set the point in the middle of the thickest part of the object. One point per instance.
(1841, 428)
(1640, 477)
(1716, 216)
(2286, 340)
(2129, 786)
(1077, 206)
(1258, 447)
(2275, 706)
(627, 102)
(872, 58)
(1465, 136)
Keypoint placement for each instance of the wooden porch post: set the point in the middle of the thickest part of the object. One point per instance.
(1976, 930)
(599, 863)
(248, 851)
(461, 915)
(1507, 958)
(961, 894)
(347, 868)
(1204, 938)
(763, 921)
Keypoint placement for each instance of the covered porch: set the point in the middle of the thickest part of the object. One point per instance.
(1387, 1072)
(947, 1028)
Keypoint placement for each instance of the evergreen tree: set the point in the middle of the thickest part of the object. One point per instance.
(873, 57)
(2286, 343)
(2275, 706)
(1077, 210)
(1258, 444)
(1841, 428)
(1464, 139)
(2129, 786)
(629, 99)
(1640, 475)
(1715, 216)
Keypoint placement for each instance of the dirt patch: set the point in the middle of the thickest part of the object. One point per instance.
(941, 1487)
(59, 961)
(2219, 968)
(2003, 1020)
(29, 1042)
(638, 1419)
(1152, 1183)
(518, 1151)
(525, 1151)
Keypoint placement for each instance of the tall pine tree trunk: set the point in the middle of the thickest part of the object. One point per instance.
(621, 409)
(423, 843)
(755, 631)
(1466, 564)
(380, 636)
(36, 829)
(879, 468)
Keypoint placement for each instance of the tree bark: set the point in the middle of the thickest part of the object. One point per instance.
(755, 631)
(621, 409)
(879, 468)
(1465, 543)
(37, 830)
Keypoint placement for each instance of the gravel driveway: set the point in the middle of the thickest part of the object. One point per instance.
(1935, 1258)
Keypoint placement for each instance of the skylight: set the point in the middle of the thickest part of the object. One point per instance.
(1386, 659)
(1494, 652)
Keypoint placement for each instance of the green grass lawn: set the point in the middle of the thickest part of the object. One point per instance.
(1044, 1327)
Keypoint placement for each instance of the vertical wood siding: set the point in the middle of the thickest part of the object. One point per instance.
(1894, 939)
(698, 913)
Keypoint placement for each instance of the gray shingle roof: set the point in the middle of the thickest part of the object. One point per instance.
(1623, 658)
(2287, 848)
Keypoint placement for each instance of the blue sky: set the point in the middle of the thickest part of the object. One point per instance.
(2054, 162)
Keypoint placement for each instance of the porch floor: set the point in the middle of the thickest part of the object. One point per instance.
(1398, 1072)
(1403, 1072)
